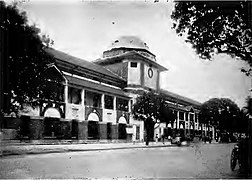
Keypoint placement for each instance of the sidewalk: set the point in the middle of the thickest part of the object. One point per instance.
(21, 149)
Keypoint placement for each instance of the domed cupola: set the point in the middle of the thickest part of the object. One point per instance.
(129, 42)
(129, 57)
(126, 44)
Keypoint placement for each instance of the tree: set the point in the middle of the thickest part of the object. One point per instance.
(242, 123)
(220, 112)
(216, 27)
(151, 108)
(24, 61)
(166, 114)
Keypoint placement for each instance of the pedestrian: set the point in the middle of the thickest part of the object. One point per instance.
(156, 138)
(163, 137)
(133, 138)
(169, 138)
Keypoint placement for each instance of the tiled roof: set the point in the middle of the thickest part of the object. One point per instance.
(80, 62)
(186, 100)
(127, 55)
(95, 86)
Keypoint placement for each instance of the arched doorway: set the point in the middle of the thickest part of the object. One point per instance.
(182, 130)
(93, 126)
(192, 132)
(52, 126)
(122, 134)
(168, 130)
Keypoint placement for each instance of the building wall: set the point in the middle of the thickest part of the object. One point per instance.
(29, 111)
(134, 73)
(75, 111)
(109, 115)
(150, 82)
(121, 69)
(135, 124)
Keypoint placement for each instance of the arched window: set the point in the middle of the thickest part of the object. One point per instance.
(93, 117)
(52, 112)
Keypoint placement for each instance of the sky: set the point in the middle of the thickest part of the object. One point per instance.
(87, 28)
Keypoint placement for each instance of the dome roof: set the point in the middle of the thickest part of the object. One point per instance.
(129, 42)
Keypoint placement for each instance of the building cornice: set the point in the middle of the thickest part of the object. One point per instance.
(120, 57)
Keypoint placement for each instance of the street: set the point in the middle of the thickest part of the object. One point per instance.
(197, 161)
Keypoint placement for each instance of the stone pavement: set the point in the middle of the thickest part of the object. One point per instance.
(8, 149)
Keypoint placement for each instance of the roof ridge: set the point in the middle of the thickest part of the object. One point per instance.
(129, 53)
(180, 96)
(81, 62)
(113, 73)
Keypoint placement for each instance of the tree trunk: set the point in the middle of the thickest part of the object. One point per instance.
(149, 129)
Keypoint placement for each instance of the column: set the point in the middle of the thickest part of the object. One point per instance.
(194, 119)
(102, 101)
(178, 120)
(114, 103)
(66, 92)
(83, 97)
(189, 124)
(83, 104)
(129, 106)
(194, 124)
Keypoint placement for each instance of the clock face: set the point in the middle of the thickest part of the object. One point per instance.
(150, 72)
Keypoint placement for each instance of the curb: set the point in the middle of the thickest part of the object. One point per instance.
(5, 154)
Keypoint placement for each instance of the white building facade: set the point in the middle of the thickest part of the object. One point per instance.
(96, 98)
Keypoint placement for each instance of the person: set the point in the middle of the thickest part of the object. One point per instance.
(133, 138)
(210, 139)
(243, 154)
(204, 139)
(163, 137)
(169, 138)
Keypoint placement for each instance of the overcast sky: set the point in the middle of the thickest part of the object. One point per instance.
(86, 29)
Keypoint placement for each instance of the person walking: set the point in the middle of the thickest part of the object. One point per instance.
(156, 138)
(163, 137)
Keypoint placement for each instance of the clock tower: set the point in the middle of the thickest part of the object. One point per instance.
(129, 57)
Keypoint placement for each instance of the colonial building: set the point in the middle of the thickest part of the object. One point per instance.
(95, 99)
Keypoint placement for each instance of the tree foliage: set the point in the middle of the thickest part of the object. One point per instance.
(147, 106)
(25, 60)
(221, 112)
(152, 106)
(243, 123)
(216, 27)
